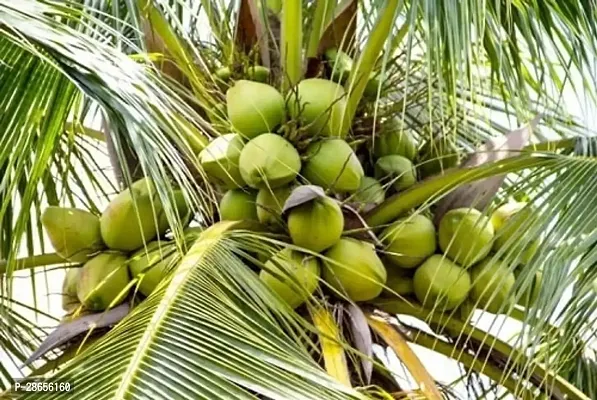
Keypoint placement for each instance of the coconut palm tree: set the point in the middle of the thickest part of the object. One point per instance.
(479, 87)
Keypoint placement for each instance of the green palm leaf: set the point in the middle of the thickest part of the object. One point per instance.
(215, 325)
(461, 71)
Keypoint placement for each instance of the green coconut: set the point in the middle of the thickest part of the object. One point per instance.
(465, 312)
(258, 73)
(354, 269)
(437, 156)
(396, 169)
(340, 64)
(238, 205)
(399, 282)
(409, 241)
(492, 285)
(465, 236)
(270, 203)
(269, 161)
(370, 192)
(316, 225)
(75, 234)
(321, 105)
(151, 264)
(441, 284)
(530, 293)
(219, 160)
(332, 164)
(373, 84)
(130, 218)
(70, 301)
(254, 108)
(223, 74)
(394, 140)
(292, 275)
(509, 224)
(103, 280)
(180, 208)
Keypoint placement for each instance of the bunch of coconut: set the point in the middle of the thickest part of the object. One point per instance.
(260, 164)
(281, 144)
(459, 263)
(125, 248)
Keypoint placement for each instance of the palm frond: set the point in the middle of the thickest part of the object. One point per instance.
(461, 71)
(214, 310)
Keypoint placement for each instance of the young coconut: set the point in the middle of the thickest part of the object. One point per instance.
(340, 64)
(223, 74)
(131, 218)
(373, 86)
(393, 139)
(70, 301)
(258, 73)
(102, 281)
(219, 160)
(465, 236)
(238, 205)
(181, 208)
(437, 156)
(332, 164)
(269, 161)
(254, 108)
(492, 285)
(317, 224)
(396, 169)
(321, 106)
(409, 241)
(151, 264)
(465, 312)
(508, 222)
(370, 192)
(399, 282)
(531, 292)
(293, 275)
(440, 284)
(75, 234)
(354, 269)
(270, 203)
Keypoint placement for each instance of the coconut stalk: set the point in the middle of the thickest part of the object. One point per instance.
(513, 358)
(434, 187)
(39, 260)
(359, 76)
(292, 36)
(323, 12)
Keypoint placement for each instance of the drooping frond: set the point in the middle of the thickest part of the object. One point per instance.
(215, 325)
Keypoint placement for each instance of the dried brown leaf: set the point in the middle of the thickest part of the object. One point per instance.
(479, 194)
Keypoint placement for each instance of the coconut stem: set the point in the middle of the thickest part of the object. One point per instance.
(33, 261)
(514, 358)
(472, 363)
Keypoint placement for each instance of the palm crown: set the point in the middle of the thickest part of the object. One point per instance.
(346, 164)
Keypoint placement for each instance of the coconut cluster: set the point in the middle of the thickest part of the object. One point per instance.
(459, 263)
(258, 165)
(277, 148)
(280, 142)
(123, 249)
